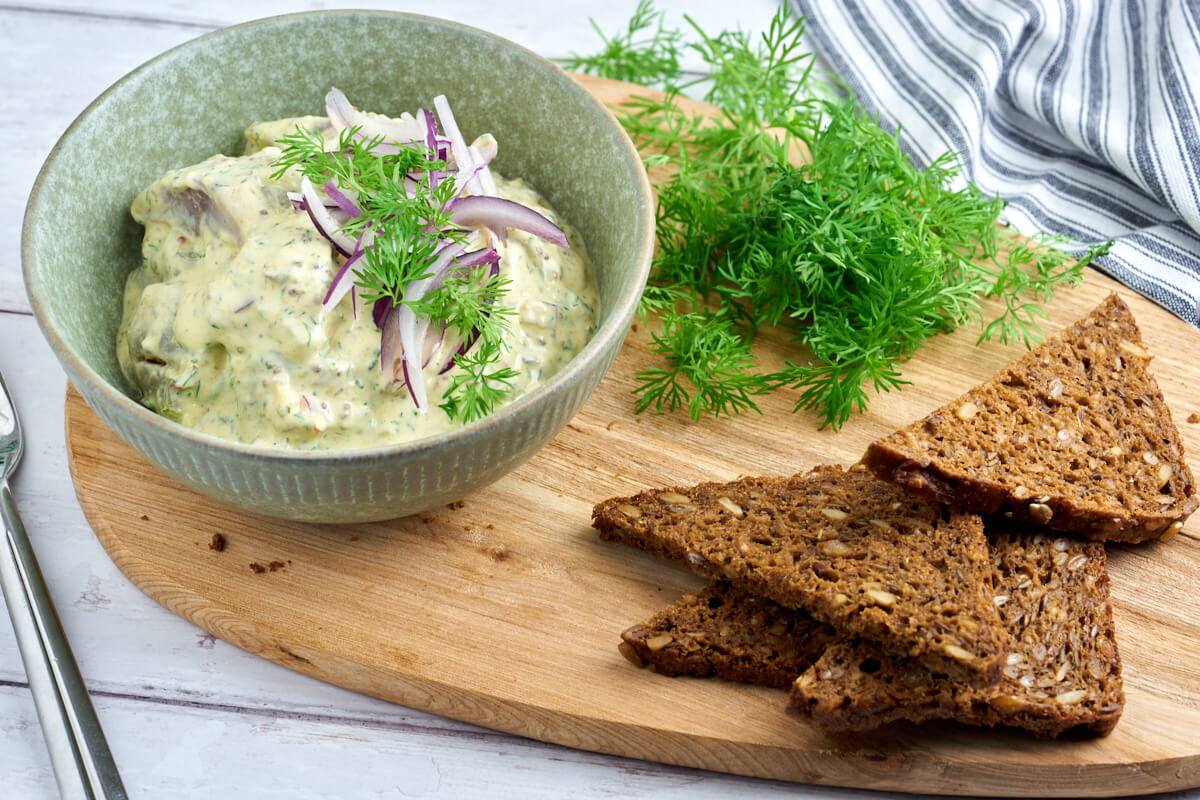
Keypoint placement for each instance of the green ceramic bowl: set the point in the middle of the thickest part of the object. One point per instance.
(79, 241)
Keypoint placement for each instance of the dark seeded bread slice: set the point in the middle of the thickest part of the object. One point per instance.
(725, 632)
(1062, 670)
(1074, 435)
(851, 550)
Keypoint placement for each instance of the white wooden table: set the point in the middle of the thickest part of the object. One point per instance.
(189, 716)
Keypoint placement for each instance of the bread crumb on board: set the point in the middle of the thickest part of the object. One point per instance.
(217, 543)
(1193, 418)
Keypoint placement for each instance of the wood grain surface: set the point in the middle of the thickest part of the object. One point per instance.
(504, 609)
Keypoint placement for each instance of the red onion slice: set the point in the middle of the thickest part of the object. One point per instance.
(432, 340)
(389, 340)
(497, 213)
(344, 116)
(482, 158)
(411, 334)
(406, 323)
(436, 176)
(326, 225)
(466, 261)
(342, 282)
(393, 334)
(463, 156)
(347, 275)
(431, 133)
(470, 339)
(380, 310)
(344, 199)
(461, 265)
(458, 145)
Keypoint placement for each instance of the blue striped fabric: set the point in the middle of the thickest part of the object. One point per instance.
(1083, 114)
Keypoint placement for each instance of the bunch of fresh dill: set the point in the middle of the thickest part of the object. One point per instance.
(858, 254)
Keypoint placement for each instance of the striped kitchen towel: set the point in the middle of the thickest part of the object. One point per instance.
(1084, 115)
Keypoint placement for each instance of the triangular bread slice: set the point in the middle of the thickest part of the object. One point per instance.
(722, 631)
(1074, 435)
(851, 550)
(1062, 670)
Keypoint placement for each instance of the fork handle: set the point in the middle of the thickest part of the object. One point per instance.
(83, 764)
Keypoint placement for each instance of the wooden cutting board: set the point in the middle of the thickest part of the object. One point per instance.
(504, 610)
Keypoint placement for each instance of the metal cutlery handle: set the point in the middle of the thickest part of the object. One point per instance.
(83, 764)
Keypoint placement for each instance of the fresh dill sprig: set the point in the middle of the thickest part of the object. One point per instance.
(406, 217)
(637, 55)
(795, 210)
(405, 211)
(714, 358)
(467, 301)
(478, 385)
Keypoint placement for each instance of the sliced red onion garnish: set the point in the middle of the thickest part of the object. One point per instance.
(412, 333)
(408, 330)
(497, 213)
(406, 322)
(436, 176)
(409, 383)
(347, 275)
(470, 339)
(342, 282)
(433, 345)
(344, 116)
(326, 224)
(461, 265)
(389, 340)
(380, 310)
(340, 110)
(431, 134)
(473, 259)
(483, 156)
(343, 199)
(299, 204)
(409, 342)
(458, 144)
(468, 175)
(463, 155)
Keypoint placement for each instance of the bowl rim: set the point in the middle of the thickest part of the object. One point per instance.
(614, 328)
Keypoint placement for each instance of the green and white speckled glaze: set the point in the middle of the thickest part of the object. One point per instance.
(79, 241)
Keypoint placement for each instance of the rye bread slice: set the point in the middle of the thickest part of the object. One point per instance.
(851, 550)
(1074, 435)
(1062, 670)
(722, 631)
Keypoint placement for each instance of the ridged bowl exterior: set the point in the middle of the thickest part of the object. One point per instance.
(79, 242)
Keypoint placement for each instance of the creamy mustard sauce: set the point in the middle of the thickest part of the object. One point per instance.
(223, 328)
